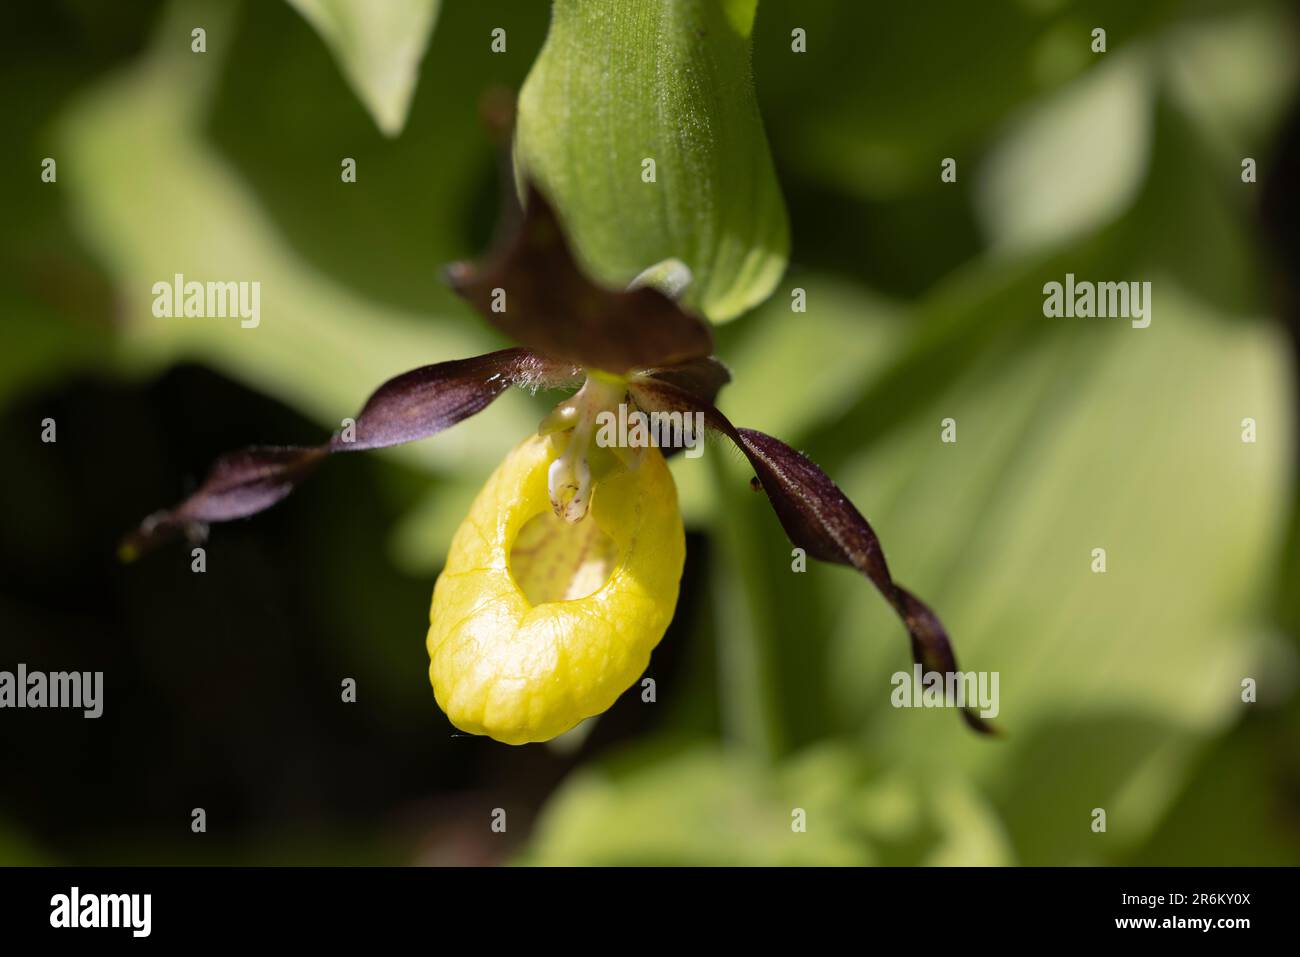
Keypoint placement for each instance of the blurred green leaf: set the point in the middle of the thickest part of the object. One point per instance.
(846, 337)
(883, 95)
(284, 121)
(1238, 807)
(1073, 161)
(175, 207)
(1102, 436)
(698, 805)
(1235, 74)
(418, 544)
(378, 46)
(1195, 220)
(58, 307)
(617, 85)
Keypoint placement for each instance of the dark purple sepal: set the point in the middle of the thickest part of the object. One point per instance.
(533, 290)
(820, 519)
(412, 406)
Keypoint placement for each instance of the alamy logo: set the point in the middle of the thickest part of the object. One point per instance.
(1104, 300)
(57, 689)
(951, 689)
(639, 430)
(212, 300)
(75, 909)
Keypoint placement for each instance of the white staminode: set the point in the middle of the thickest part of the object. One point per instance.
(568, 480)
(670, 277)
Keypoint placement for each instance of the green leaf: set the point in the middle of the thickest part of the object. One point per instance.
(420, 200)
(177, 207)
(1072, 162)
(1236, 786)
(378, 46)
(1235, 74)
(845, 337)
(700, 805)
(1097, 436)
(857, 113)
(620, 84)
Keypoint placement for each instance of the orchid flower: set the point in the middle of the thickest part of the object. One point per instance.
(565, 574)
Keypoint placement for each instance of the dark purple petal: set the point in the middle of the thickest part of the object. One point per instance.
(703, 378)
(425, 401)
(250, 480)
(412, 406)
(820, 519)
(534, 292)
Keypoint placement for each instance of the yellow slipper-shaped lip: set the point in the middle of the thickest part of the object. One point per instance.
(536, 624)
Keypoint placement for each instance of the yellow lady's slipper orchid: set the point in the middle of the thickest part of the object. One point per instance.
(564, 575)
(537, 623)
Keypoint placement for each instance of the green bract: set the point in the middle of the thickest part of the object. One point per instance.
(620, 84)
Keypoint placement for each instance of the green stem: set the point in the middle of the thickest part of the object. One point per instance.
(748, 695)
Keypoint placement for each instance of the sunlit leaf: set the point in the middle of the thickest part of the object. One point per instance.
(1102, 436)
(1073, 161)
(379, 46)
(1235, 74)
(700, 807)
(844, 336)
(618, 86)
(176, 207)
